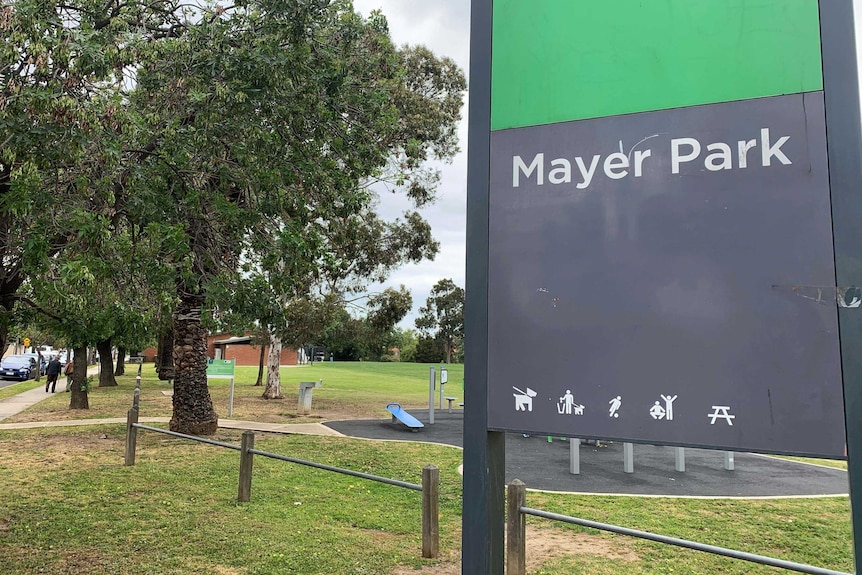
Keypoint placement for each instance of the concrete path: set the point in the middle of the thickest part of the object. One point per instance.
(20, 402)
(296, 428)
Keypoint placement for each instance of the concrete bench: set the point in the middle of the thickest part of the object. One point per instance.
(305, 390)
(450, 400)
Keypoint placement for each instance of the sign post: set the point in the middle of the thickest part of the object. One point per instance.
(666, 213)
(223, 369)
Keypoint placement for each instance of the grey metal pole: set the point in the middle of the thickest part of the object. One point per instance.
(230, 398)
(628, 458)
(841, 93)
(442, 385)
(728, 461)
(432, 379)
(483, 524)
(679, 459)
(574, 456)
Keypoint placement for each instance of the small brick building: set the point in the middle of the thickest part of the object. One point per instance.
(225, 346)
(240, 348)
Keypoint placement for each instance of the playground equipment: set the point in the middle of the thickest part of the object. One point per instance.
(399, 414)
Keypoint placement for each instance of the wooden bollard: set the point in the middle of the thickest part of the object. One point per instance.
(516, 529)
(246, 464)
(430, 511)
(131, 436)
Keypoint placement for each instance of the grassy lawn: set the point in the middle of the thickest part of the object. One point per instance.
(70, 506)
(350, 391)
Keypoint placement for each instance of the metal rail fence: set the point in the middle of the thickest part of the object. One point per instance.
(429, 487)
(516, 522)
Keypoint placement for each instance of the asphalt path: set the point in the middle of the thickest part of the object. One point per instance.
(545, 466)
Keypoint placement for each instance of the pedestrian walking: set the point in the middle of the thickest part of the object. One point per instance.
(53, 372)
(67, 371)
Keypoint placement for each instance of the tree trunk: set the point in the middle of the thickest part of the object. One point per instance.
(106, 364)
(79, 399)
(165, 355)
(4, 331)
(193, 409)
(273, 365)
(121, 361)
(448, 351)
(260, 366)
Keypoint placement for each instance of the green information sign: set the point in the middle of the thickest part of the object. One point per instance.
(221, 368)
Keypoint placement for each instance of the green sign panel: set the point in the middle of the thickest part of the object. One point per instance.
(559, 60)
(221, 368)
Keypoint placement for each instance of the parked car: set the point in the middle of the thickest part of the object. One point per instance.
(43, 367)
(18, 367)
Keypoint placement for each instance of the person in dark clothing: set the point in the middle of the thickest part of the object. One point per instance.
(52, 372)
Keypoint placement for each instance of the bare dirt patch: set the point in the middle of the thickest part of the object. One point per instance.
(56, 450)
(543, 544)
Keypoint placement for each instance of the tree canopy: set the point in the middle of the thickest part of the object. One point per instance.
(226, 151)
(443, 316)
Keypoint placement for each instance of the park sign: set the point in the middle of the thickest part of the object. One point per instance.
(221, 368)
(661, 259)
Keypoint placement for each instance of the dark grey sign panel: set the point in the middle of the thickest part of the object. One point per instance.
(668, 277)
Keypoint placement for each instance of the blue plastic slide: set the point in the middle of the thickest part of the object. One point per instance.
(398, 413)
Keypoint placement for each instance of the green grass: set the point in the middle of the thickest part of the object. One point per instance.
(350, 390)
(811, 531)
(70, 506)
(21, 387)
(836, 463)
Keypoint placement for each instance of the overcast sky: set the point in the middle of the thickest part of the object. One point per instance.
(444, 27)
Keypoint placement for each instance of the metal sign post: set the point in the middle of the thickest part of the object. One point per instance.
(432, 382)
(223, 369)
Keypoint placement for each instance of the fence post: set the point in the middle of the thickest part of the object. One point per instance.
(516, 529)
(246, 463)
(430, 511)
(131, 435)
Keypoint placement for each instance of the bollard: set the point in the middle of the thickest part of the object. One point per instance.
(131, 435)
(628, 458)
(246, 463)
(516, 529)
(430, 511)
(728, 461)
(575, 456)
(679, 459)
